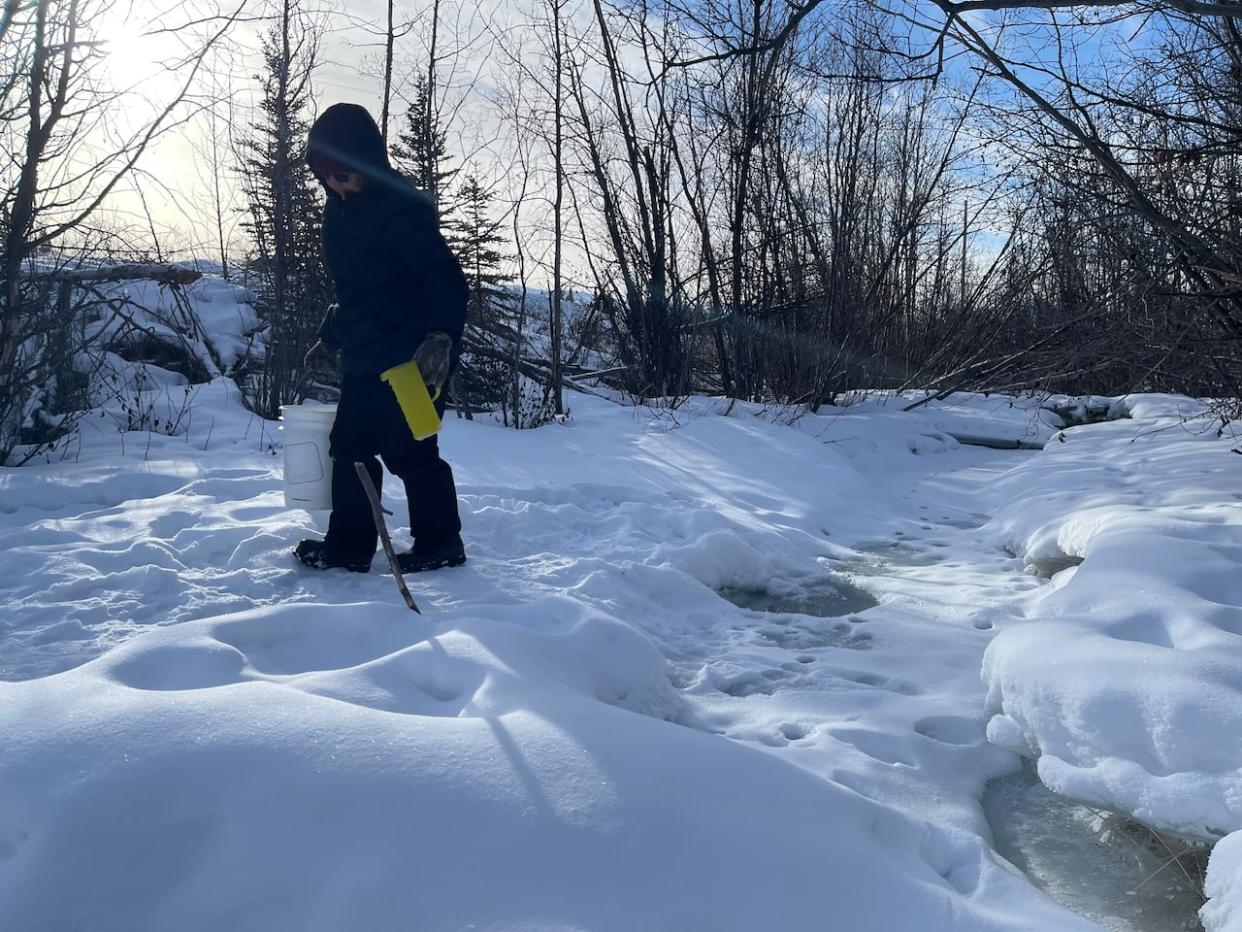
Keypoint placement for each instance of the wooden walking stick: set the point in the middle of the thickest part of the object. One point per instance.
(377, 510)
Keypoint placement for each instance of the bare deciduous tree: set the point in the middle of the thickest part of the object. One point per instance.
(58, 116)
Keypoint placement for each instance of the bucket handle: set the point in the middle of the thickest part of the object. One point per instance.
(434, 395)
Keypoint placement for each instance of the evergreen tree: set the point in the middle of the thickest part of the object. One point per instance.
(284, 208)
(421, 149)
(494, 332)
(476, 240)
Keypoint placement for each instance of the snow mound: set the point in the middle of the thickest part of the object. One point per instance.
(211, 322)
(1223, 886)
(1127, 686)
(352, 766)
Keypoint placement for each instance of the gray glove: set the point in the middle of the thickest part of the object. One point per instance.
(320, 356)
(433, 357)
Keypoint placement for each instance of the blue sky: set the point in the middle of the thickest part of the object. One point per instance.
(176, 185)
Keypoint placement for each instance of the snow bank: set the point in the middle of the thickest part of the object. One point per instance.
(200, 735)
(1223, 886)
(356, 767)
(210, 321)
(1127, 682)
(227, 322)
(146, 348)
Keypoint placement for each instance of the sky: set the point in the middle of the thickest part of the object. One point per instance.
(175, 185)
(175, 182)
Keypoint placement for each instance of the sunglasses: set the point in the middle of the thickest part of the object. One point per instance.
(338, 177)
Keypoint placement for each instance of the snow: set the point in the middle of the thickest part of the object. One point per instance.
(716, 668)
(1223, 911)
(447, 778)
(212, 321)
(226, 318)
(144, 350)
(1133, 674)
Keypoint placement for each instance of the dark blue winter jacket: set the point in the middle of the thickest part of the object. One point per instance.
(396, 279)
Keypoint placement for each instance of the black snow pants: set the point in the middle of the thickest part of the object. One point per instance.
(369, 424)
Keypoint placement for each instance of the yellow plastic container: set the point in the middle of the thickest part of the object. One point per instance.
(416, 404)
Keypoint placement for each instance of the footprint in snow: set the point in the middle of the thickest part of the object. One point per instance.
(367, 656)
(812, 636)
(794, 732)
(885, 748)
(198, 664)
(416, 681)
(967, 522)
(950, 729)
(168, 526)
(875, 681)
(316, 638)
(750, 684)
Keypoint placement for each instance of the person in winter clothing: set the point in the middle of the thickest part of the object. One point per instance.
(401, 295)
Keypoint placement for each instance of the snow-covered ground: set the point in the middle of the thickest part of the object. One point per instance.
(702, 671)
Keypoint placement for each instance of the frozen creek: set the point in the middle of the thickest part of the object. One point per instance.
(1104, 867)
(1100, 865)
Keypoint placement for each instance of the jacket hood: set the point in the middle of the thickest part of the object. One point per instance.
(346, 137)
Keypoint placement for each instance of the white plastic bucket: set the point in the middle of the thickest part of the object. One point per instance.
(308, 469)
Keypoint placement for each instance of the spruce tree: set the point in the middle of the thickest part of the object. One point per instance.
(284, 206)
(487, 369)
(476, 240)
(421, 149)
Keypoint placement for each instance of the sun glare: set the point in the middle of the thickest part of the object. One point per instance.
(130, 55)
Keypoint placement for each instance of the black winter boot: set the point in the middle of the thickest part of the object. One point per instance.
(451, 552)
(320, 555)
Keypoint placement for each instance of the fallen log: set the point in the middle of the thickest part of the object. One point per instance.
(164, 273)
